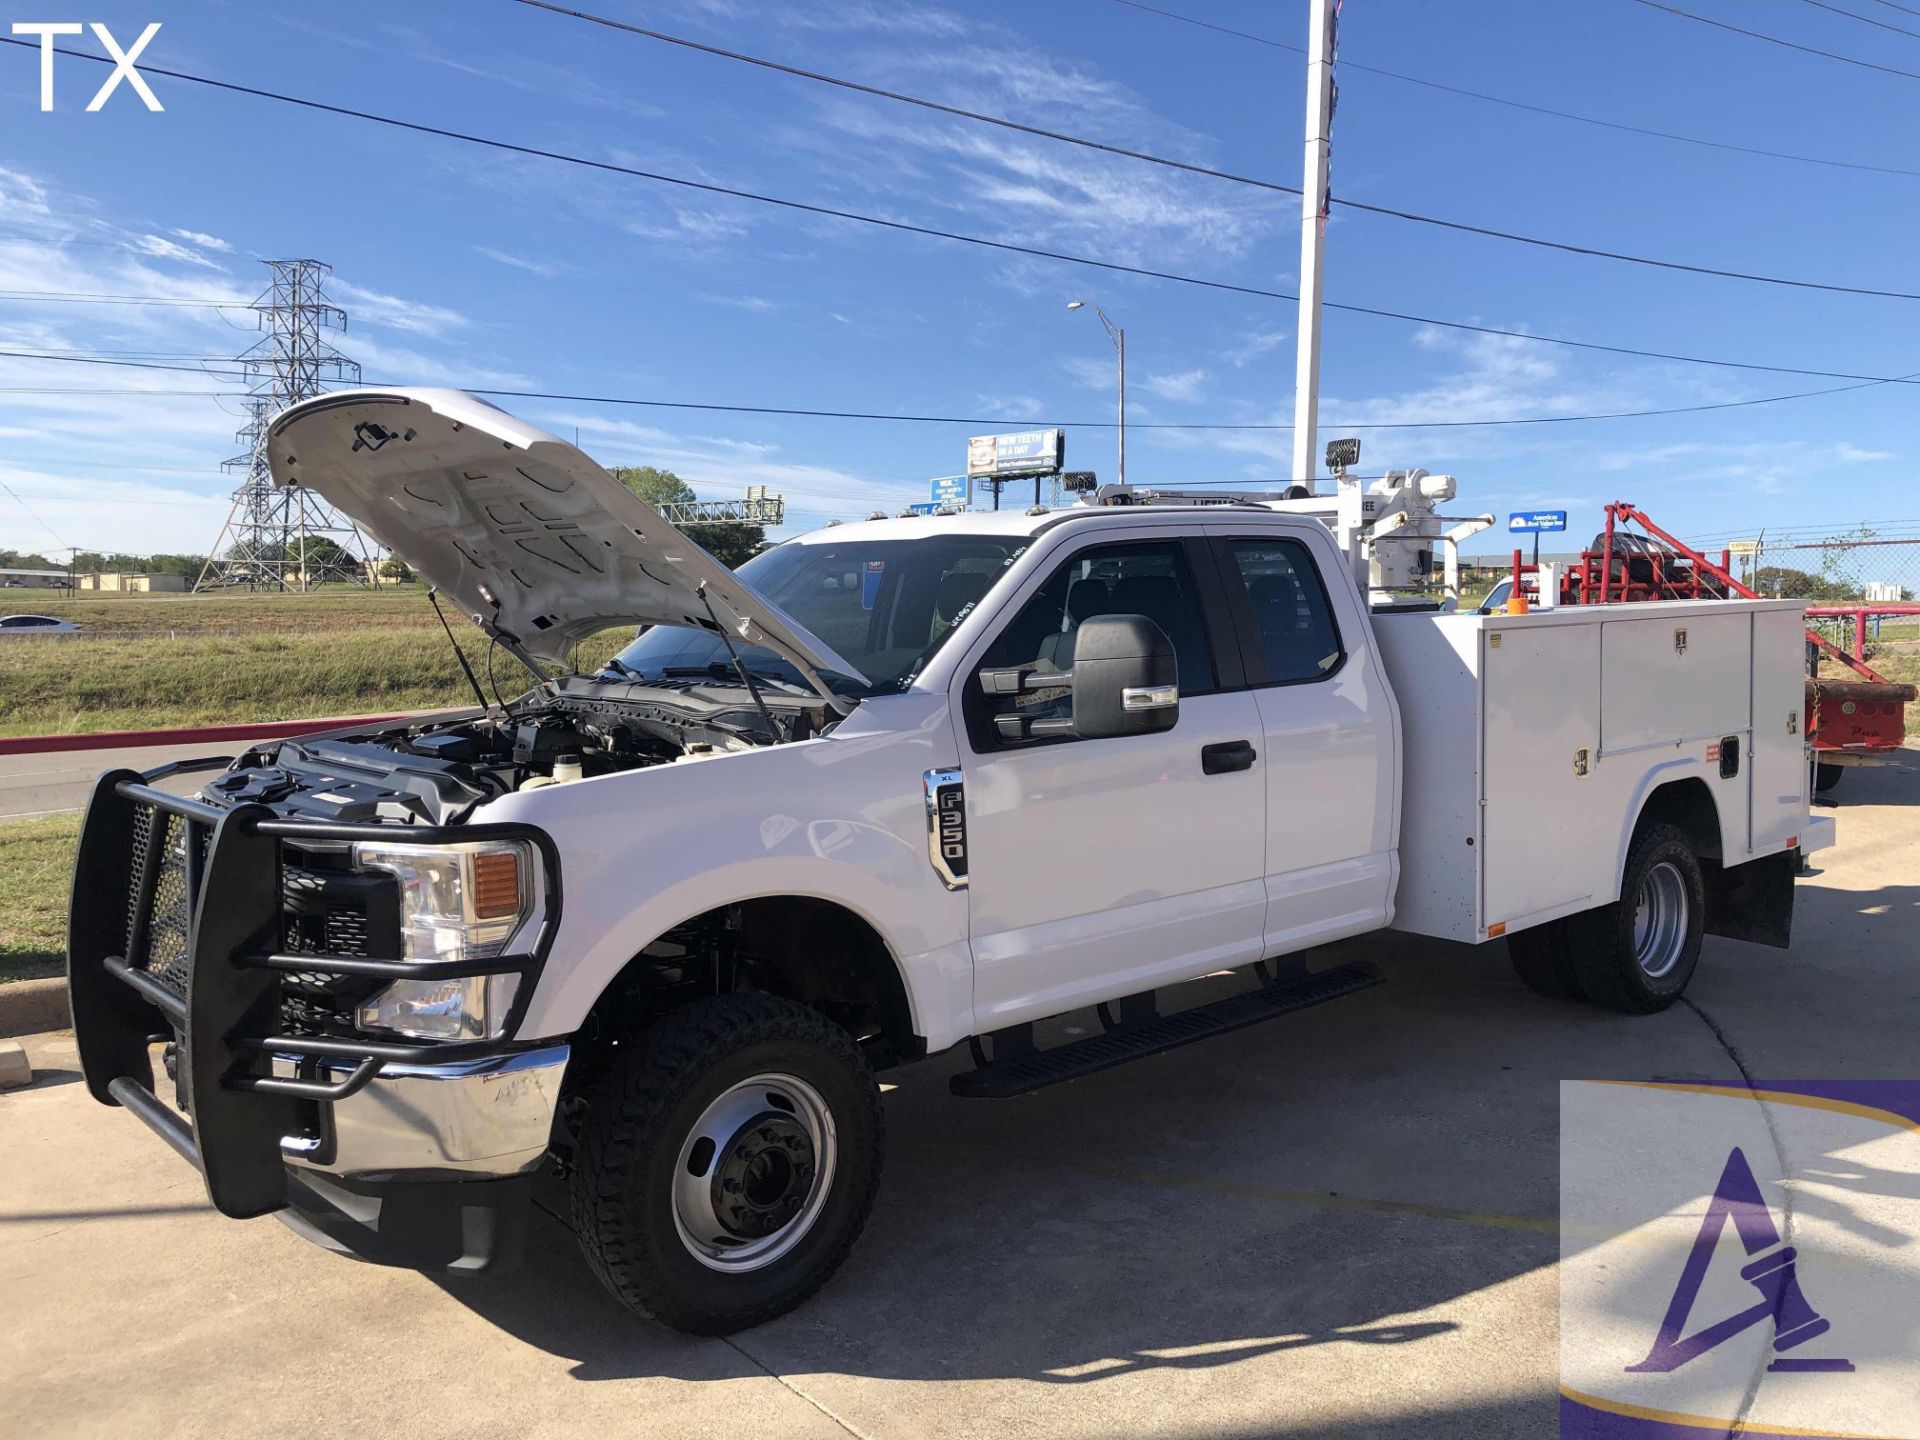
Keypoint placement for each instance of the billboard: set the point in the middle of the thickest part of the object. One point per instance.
(1028, 452)
(949, 492)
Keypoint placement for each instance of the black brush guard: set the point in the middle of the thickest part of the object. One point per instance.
(219, 997)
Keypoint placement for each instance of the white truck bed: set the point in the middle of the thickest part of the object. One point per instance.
(1500, 829)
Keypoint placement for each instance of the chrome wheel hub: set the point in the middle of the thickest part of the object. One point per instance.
(754, 1172)
(1660, 920)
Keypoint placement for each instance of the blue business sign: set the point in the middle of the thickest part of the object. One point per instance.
(951, 490)
(1537, 520)
(924, 507)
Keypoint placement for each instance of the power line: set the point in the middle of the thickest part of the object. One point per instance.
(989, 421)
(1329, 425)
(66, 357)
(1776, 40)
(1863, 19)
(1004, 246)
(1903, 9)
(72, 297)
(1462, 91)
(1485, 232)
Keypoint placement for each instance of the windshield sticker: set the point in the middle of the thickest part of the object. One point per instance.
(870, 583)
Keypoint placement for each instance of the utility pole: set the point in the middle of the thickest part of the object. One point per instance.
(1321, 40)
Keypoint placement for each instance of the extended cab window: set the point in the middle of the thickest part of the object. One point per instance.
(1149, 579)
(1291, 614)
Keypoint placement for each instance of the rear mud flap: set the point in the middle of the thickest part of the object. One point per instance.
(1754, 901)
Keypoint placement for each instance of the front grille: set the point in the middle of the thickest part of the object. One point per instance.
(168, 855)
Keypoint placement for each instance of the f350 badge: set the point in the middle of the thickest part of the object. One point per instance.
(947, 826)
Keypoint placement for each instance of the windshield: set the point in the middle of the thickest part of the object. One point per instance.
(885, 605)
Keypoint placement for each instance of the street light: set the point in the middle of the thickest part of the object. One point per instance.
(1119, 338)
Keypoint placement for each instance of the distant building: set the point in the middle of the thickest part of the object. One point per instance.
(34, 579)
(125, 583)
(1883, 591)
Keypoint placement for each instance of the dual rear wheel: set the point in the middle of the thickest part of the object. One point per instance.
(1638, 953)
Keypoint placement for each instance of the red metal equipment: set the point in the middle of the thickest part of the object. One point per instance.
(1849, 721)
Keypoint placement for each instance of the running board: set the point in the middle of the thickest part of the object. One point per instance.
(1034, 1070)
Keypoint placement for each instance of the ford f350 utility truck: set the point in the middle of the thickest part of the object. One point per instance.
(894, 788)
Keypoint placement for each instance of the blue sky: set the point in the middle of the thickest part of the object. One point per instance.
(462, 265)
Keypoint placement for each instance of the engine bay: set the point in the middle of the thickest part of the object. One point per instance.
(568, 729)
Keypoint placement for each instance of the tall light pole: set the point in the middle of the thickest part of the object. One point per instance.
(1313, 234)
(1119, 338)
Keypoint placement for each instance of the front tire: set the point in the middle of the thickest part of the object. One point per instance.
(728, 1163)
(1826, 776)
(1637, 954)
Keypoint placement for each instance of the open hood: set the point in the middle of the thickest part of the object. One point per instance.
(524, 532)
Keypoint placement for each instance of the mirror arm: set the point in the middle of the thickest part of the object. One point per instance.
(1023, 727)
(1014, 681)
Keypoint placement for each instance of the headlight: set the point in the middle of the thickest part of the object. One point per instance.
(457, 902)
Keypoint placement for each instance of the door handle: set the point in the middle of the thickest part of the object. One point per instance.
(1226, 757)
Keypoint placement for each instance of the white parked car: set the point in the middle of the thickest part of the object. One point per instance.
(36, 625)
(895, 788)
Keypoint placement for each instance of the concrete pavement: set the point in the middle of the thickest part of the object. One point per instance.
(1337, 1224)
(56, 782)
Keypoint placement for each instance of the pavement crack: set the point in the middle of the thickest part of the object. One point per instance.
(1738, 1426)
(775, 1375)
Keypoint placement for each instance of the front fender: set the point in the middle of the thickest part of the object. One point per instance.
(840, 818)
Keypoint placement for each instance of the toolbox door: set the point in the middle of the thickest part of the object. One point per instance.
(1779, 764)
(1543, 850)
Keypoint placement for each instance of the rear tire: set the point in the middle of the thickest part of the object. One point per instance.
(728, 1162)
(1544, 962)
(1638, 954)
(1826, 776)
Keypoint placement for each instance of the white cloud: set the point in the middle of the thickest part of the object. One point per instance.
(1261, 342)
(1850, 454)
(1183, 386)
(203, 240)
(1089, 374)
(542, 268)
(753, 303)
(402, 365)
(379, 308)
(162, 248)
(1013, 407)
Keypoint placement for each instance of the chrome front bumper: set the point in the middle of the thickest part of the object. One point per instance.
(469, 1119)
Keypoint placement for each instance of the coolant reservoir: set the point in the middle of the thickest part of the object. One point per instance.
(565, 768)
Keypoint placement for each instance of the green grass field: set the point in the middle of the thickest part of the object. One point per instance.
(146, 662)
(36, 872)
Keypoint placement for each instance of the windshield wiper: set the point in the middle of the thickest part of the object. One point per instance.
(621, 667)
(728, 675)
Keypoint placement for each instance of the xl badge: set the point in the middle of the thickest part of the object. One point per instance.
(947, 827)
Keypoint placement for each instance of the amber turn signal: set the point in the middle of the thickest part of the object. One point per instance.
(496, 884)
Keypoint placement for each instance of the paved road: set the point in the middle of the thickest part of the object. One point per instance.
(1335, 1225)
(53, 783)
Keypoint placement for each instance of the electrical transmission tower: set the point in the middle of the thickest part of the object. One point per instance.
(286, 538)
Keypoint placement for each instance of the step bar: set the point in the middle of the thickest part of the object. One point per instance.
(1019, 1074)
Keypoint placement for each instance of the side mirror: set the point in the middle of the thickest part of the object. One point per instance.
(1125, 678)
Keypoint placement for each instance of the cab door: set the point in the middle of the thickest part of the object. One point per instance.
(1100, 868)
(1328, 736)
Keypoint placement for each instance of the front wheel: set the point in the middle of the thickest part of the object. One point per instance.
(1826, 776)
(728, 1163)
(1638, 953)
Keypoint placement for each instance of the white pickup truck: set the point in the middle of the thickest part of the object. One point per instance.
(895, 787)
